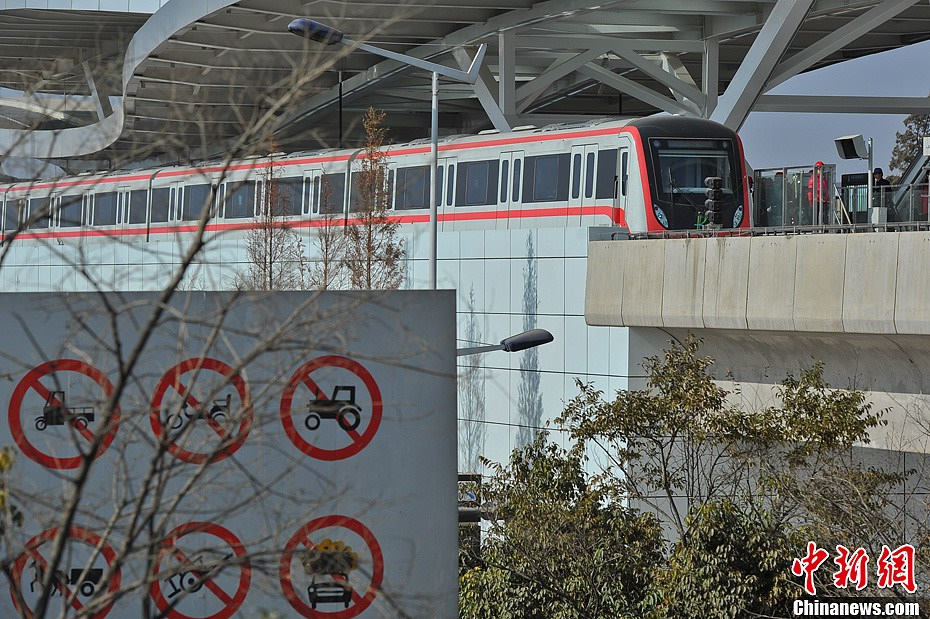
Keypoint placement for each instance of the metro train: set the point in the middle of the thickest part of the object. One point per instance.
(645, 174)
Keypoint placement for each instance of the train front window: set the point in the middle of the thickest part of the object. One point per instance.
(680, 167)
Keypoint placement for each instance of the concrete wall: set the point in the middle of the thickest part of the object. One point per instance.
(834, 283)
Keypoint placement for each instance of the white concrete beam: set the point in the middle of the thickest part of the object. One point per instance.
(842, 104)
(754, 72)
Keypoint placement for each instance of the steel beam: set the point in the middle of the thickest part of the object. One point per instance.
(838, 39)
(757, 67)
(634, 89)
(483, 89)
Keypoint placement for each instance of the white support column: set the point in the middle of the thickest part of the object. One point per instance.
(634, 89)
(507, 73)
(675, 67)
(484, 90)
(838, 39)
(710, 76)
(754, 72)
(101, 103)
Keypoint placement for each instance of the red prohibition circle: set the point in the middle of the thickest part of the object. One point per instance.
(172, 378)
(232, 602)
(32, 552)
(302, 376)
(301, 536)
(31, 381)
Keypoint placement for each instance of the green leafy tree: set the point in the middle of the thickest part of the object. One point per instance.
(560, 545)
(719, 499)
(909, 144)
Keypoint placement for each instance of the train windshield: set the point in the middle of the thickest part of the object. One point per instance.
(681, 165)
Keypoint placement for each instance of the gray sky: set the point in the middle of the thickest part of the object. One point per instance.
(776, 139)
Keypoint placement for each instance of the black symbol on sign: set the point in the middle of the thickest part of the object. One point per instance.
(87, 585)
(217, 413)
(190, 581)
(56, 413)
(328, 564)
(340, 407)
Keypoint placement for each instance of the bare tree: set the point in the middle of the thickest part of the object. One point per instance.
(276, 253)
(374, 253)
(327, 271)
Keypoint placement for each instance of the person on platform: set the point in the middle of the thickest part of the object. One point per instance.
(819, 194)
(880, 187)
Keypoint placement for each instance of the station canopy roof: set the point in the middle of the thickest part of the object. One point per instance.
(194, 79)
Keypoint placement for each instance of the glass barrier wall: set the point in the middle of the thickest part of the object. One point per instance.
(795, 196)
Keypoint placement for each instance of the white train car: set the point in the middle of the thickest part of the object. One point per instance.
(645, 174)
(513, 214)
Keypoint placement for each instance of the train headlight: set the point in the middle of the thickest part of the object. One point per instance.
(738, 216)
(660, 215)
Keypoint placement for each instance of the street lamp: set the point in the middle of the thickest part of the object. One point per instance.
(321, 33)
(514, 343)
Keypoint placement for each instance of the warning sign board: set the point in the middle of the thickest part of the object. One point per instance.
(331, 408)
(74, 584)
(57, 405)
(339, 561)
(204, 573)
(197, 402)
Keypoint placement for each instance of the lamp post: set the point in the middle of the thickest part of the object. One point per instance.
(328, 35)
(514, 343)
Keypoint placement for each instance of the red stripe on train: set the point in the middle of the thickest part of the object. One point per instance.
(616, 215)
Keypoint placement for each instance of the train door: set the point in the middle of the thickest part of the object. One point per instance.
(310, 201)
(445, 192)
(508, 189)
(581, 181)
(176, 210)
(622, 180)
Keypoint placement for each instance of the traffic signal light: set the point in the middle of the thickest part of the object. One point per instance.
(714, 201)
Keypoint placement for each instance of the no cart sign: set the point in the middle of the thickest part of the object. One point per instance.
(77, 579)
(331, 408)
(204, 573)
(56, 411)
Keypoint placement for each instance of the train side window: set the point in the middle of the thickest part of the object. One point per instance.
(195, 199)
(515, 196)
(624, 171)
(576, 176)
(606, 174)
(332, 193)
(545, 178)
(362, 193)
(39, 213)
(477, 184)
(138, 202)
(105, 208)
(69, 211)
(450, 186)
(439, 170)
(161, 204)
(412, 188)
(505, 175)
(589, 176)
(286, 195)
(240, 199)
